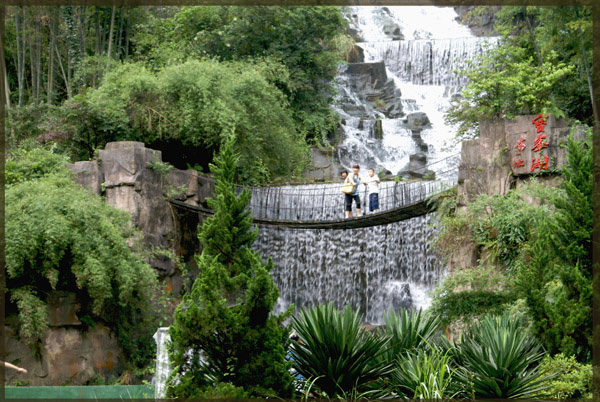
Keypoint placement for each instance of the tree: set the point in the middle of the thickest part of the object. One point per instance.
(304, 39)
(555, 276)
(224, 330)
(542, 64)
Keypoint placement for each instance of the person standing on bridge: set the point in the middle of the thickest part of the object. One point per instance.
(354, 180)
(372, 182)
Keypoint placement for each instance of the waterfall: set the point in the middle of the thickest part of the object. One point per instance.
(374, 268)
(401, 81)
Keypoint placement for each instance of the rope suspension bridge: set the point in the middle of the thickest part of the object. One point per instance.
(322, 206)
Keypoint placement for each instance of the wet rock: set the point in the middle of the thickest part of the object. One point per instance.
(393, 31)
(62, 309)
(401, 297)
(378, 130)
(355, 55)
(417, 121)
(69, 356)
(374, 71)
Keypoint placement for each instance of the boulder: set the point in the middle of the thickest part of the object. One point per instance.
(416, 121)
(88, 174)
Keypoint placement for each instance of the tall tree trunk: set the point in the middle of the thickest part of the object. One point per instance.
(32, 52)
(38, 66)
(118, 46)
(127, 32)
(110, 32)
(532, 37)
(98, 38)
(62, 69)
(587, 73)
(20, 58)
(3, 61)
(49, 93)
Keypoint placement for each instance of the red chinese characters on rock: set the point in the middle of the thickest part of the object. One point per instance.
(539, 144)
(520, 145)
(536, 163)
(539, 122)
(518, 163)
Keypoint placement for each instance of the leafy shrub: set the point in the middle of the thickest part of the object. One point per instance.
(201, 103)
(336, 352)
(573, 380)
(470, 292)
(498, 360)
(25, 163)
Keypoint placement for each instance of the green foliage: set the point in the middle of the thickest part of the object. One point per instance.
(542, 64)
(408, 330)
(201, 103)
(31, 163)
(555, 275)
(223, 330)
(62, 237)
(504, 82)
(537, 238)
(337, 352)
(498, 360)
(424, 375)
(305, 40)
(572, 379)
(470, 292)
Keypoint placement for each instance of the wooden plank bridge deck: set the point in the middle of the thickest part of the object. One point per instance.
(374, 219)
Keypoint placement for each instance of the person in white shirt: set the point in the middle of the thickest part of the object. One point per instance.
(372, 182)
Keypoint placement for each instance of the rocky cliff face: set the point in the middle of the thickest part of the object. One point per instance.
(506, 154)
(133, 178)
(481, 24)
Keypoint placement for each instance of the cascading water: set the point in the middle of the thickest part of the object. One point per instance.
(392, 104)
(401, 83)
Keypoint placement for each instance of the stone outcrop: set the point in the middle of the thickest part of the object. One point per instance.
(375, 89)
(133, 178)
(481, 24)
(69, 356)
(505, 154)
(324, 166)
(503, 157)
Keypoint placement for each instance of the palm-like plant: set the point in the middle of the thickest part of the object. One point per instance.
(424, 374)
(499, 360)
(336, 352)
(408, 330)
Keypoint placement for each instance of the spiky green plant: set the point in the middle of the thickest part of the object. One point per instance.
(408, 330)
(424, 374)
(499, 360)
(337, 352)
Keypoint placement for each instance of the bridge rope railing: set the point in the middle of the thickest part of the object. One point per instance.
(322, 202)
(327, 202)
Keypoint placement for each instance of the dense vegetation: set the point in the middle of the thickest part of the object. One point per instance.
(61, 237)
(543, 63)
(494, 358)
(180, 76)
(536, 257)
(224, 331)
